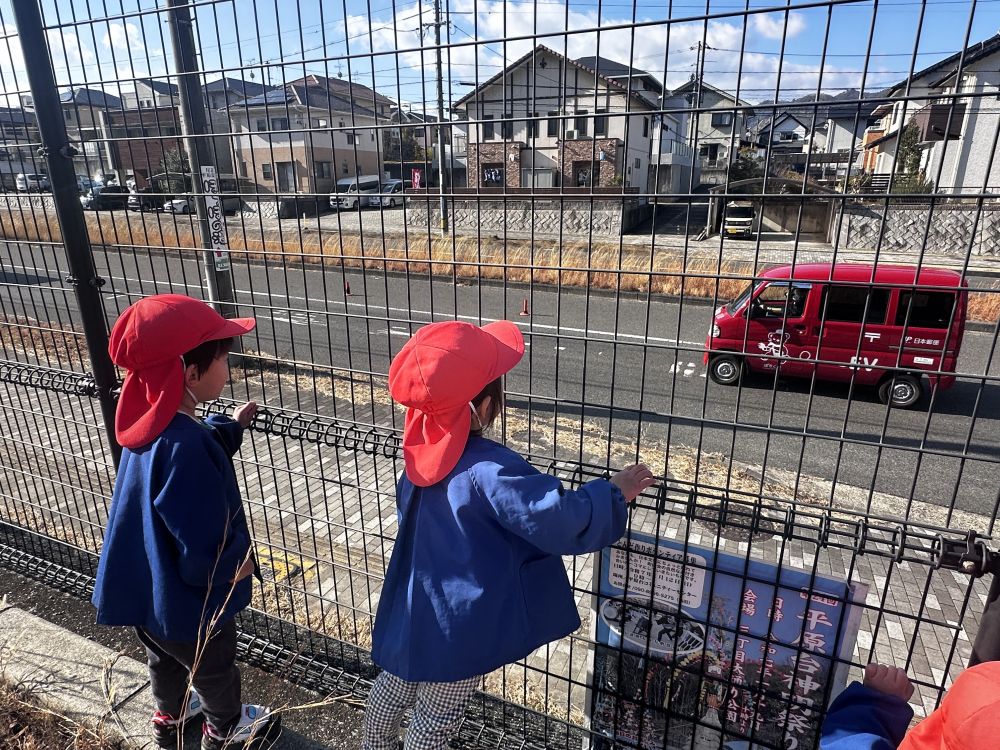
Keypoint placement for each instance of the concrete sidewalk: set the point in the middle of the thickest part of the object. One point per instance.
(105, 683)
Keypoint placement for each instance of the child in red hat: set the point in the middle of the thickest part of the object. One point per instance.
(177, 554)
(476, 578)
(874, 715)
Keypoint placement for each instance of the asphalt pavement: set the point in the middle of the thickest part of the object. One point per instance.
(632, 361)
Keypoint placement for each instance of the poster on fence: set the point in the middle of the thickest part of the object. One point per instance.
(216, 218)
(705, 650)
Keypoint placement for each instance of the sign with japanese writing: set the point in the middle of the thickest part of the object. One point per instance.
(216, 218)
(703, 650)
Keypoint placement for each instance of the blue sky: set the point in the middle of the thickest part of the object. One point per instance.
(380, 42)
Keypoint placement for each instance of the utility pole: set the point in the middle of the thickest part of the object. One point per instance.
(442, 170)
(201, 158)
(58, 155)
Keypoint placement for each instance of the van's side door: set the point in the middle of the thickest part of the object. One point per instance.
(926, 315)
(778, 335)
(855, 340)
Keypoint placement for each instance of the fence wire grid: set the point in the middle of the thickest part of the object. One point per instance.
(753, 245)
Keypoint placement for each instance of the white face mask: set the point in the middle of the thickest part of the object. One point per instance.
(186, 389)
(475, 414)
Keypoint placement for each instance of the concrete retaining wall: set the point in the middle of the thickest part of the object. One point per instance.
(953, 228)
(605, 218)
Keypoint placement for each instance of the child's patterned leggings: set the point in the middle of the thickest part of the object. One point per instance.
(438, 707)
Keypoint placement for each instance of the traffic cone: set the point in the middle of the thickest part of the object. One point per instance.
(347, 287)
(524, 308)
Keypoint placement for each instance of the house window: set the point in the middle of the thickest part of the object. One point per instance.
(487, 127)
(243, 169)
(343, 167)
(638, 163)
(69, 116)
(601, 122)
(279, 123)
(261, 125)
(645, 129)
(533, 126)
(554, 124)
(373, 136)
(351, 139)
(507, 127)
(265, 171)
(580, 121)
(722, 119)
(322, 169)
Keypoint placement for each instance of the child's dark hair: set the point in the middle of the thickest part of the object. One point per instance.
(203, 355)
(495, 391)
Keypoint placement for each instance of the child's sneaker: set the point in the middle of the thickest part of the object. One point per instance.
(165, 726)
(256, 729)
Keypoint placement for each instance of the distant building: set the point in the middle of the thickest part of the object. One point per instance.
(548, 121)
(308, 134)
(716, 127)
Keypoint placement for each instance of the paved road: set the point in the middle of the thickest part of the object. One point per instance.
(632, 363)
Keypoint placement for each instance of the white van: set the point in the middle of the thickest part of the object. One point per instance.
(355, 191)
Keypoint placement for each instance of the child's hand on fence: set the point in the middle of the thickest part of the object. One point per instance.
(245, 569)
(245, 414)
(889, 680)
(633, 480)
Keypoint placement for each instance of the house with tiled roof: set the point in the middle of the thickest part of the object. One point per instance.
(304, 136)
(715, 123)
(953, 107)
(548, 121)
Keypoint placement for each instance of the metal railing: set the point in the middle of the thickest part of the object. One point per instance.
(800, 526)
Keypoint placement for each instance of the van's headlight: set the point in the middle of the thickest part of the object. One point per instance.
(715, 330)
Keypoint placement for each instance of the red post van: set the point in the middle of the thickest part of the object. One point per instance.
(883, 326)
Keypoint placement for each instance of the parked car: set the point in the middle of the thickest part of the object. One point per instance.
(353, 192)
(391, 193)
(27, 183)
(145, 199)
(105, 197)
(740, 219)
(845, 322)
(185, 204)
(83, 184)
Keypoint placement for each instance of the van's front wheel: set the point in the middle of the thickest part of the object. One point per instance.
(901, 391)
(725, 369)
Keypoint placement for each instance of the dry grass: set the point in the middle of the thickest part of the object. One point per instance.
(54, 343)
(27, 725)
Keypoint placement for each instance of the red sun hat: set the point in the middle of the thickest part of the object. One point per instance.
(968, 717)
(148, 340)
(436, 374)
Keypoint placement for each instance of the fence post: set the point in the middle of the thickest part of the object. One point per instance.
(58, 154)
(218, 276)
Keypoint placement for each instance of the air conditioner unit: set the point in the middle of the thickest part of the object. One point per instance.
(572, 135)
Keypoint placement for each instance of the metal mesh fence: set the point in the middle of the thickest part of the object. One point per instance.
(751, 245)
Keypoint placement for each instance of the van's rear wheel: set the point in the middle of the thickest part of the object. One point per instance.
(901, 391)
(725, 369)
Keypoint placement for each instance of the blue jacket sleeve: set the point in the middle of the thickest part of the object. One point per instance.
(192, 505)
(537, 508)
(864, 719)
(229, 431)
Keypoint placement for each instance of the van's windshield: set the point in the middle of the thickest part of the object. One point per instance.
(739, 212)
(740, 301)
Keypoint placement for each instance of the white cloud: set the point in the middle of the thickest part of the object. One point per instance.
(775, 26)
(125, 38)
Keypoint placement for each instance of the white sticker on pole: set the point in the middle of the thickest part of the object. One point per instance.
(677, 580)
(216, 218)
